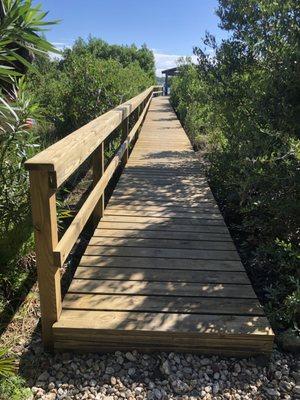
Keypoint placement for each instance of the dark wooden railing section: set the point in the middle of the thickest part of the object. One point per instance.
(50, 169)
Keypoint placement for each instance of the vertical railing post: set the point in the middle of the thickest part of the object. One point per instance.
(98, 170)
(139, 112)
(125, 131)
(43, 206)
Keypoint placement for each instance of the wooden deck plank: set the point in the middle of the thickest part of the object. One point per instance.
(162, 304)
(136, 171)
(162, 252)
(164, 220)
(177, 191)
(168, 235)
(165, 322)
(161, 275)
(161, 243)
(161, 288)
(161, 263)
(162, 226)
(161, 185)
(165, 214)
(146, 176)
(169, 207)
(158, 200)
(161, 271)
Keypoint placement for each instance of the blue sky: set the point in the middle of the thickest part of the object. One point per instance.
(169, 27)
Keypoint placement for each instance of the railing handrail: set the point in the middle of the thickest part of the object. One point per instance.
(65, 156)
(69, 238)
(50, 168)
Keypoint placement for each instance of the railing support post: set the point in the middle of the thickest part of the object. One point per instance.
(125, 131)
(98, 170)
(43, 206)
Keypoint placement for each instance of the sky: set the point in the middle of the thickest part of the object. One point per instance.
(171, 28)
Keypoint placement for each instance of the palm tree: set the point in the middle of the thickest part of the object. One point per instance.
(21, 25)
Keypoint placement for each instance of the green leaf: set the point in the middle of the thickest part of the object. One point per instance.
(7, 367)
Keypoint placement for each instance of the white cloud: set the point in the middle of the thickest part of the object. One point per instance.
(58, 46)
(165, 61)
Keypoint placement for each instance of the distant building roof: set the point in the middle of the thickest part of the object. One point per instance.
(170, 71)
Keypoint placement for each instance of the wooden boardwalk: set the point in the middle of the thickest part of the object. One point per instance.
(161, 271)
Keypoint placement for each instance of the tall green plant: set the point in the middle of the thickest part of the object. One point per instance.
(21, 25)
(247, 106)
(83, 86)
(125, 55)
(18, 142)
(7, 367)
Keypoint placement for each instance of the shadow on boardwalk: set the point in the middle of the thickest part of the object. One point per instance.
(182, 247)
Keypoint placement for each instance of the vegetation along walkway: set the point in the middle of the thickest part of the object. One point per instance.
(161, 271)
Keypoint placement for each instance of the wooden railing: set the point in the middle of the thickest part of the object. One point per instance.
(50, 169)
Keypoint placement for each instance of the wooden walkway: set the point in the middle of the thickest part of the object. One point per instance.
(161, 271)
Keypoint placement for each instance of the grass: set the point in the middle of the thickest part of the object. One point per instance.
(14, 388)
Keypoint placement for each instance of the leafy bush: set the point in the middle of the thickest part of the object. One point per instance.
(190, 99)
(6, 364)
(14, 388)
(244, 105)
(18, 142)
(21, 25)
(125, 55)
(89, 80)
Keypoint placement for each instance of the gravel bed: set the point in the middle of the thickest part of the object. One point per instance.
(159, 376)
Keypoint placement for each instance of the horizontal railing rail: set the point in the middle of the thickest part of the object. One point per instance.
(65, 156)
(64, 246)
(50, 168)
(158, 92)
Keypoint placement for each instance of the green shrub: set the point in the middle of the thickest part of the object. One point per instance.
(21, 26)
(86, 83)
(124, 55)
(20, 40)
(243, 103)
(7, 367)
(14, 388)
(18, 143)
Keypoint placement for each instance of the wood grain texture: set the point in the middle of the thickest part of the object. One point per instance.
(65, 156)
(98, 171)
(161, 271)
(94, 204)
(161, 225)
(49, 169)
(162, 275)
(161, 243)
(43, 207)
(161, 263)
(190, 237)
(178, 253)
(162, 304)
(172, 322)
(162, 288)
